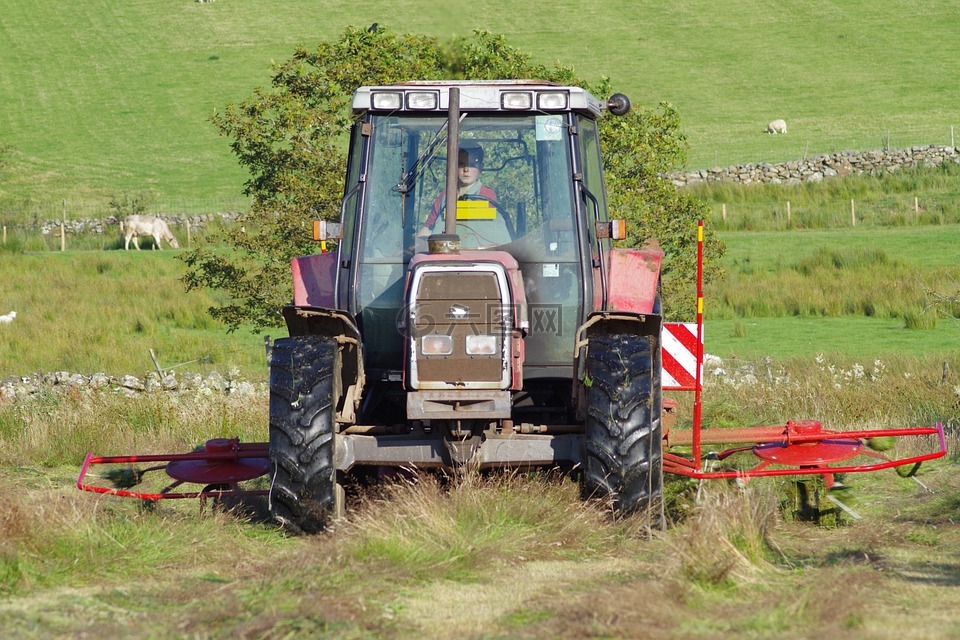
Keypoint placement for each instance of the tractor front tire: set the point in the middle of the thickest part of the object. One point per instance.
(304, 495)
(623, 449)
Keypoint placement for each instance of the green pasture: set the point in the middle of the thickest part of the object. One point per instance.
(858, 293)
(909, 197)
(862, 292)
(104, 311)
(923, 247)
(853, 338)
(100, 97)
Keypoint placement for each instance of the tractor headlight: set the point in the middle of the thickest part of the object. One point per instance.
(436, 345)
(481, 345)
(386, 100)
(551, 100)
(516, 100)
(423, 100)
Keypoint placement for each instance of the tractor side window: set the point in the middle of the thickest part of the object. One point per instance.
(592, 175)
(351, 197)
(384, 238)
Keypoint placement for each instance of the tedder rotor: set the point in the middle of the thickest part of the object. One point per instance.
(799, 448)
(474, 312)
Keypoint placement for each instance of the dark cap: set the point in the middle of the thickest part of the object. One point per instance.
(471, 155)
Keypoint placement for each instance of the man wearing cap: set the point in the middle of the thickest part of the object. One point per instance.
(469, 167)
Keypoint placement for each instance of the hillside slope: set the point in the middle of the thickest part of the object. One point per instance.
(100, 97)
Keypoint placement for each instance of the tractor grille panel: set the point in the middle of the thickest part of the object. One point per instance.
(460, 305)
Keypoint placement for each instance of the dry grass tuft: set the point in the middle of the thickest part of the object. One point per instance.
(14, 523)
(427, 525)
(726, 539)
(54, 429)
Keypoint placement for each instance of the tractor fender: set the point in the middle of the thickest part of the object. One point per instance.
(314, 279)
(607, 323)
(317, 321)
(633, 280)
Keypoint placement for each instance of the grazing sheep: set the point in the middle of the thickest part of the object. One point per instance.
(136, 226)
(777, 126)
(7, 318)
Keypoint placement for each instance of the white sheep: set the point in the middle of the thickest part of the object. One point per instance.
(777, 126)
(7, 318)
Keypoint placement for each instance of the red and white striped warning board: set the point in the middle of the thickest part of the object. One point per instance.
(679, 347)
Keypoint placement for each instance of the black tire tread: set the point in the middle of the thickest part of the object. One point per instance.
(623, 454)
(302, 405)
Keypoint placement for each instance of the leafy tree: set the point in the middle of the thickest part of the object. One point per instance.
(292, 139)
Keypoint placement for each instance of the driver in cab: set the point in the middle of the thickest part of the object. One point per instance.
(469, 168)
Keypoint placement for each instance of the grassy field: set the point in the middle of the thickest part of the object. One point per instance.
(476, 557)
(864, 293)
(858, 293)
(472, 557)
(103, 311)
(814, 320)
(99, 98)
(913, 197)
(861, 293)
(479, 559)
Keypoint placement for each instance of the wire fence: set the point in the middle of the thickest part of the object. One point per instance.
(885, 211)
(35, 213)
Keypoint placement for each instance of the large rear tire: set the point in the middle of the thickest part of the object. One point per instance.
(303, 393)
(623, 451)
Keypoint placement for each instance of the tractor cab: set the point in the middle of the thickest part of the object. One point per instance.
(528, 183)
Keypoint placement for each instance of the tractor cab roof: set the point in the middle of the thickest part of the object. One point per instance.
(507, 96)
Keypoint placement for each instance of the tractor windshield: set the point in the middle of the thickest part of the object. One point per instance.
(515, 194)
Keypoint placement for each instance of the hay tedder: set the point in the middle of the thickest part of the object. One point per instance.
(475, 313)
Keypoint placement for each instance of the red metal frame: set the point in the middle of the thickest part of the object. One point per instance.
(799, 448)
(219, 450)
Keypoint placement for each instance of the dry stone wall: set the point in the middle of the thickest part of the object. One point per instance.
(823, 166)
(214, 383)
(111, 223)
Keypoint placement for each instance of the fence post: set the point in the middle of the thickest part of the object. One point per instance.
(723, 210)
(788, 213)
(853, 214)
(4, 234)
(63, 227)
(916, 206)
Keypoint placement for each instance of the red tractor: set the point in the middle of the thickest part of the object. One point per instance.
(505, 333)
(474, 312)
